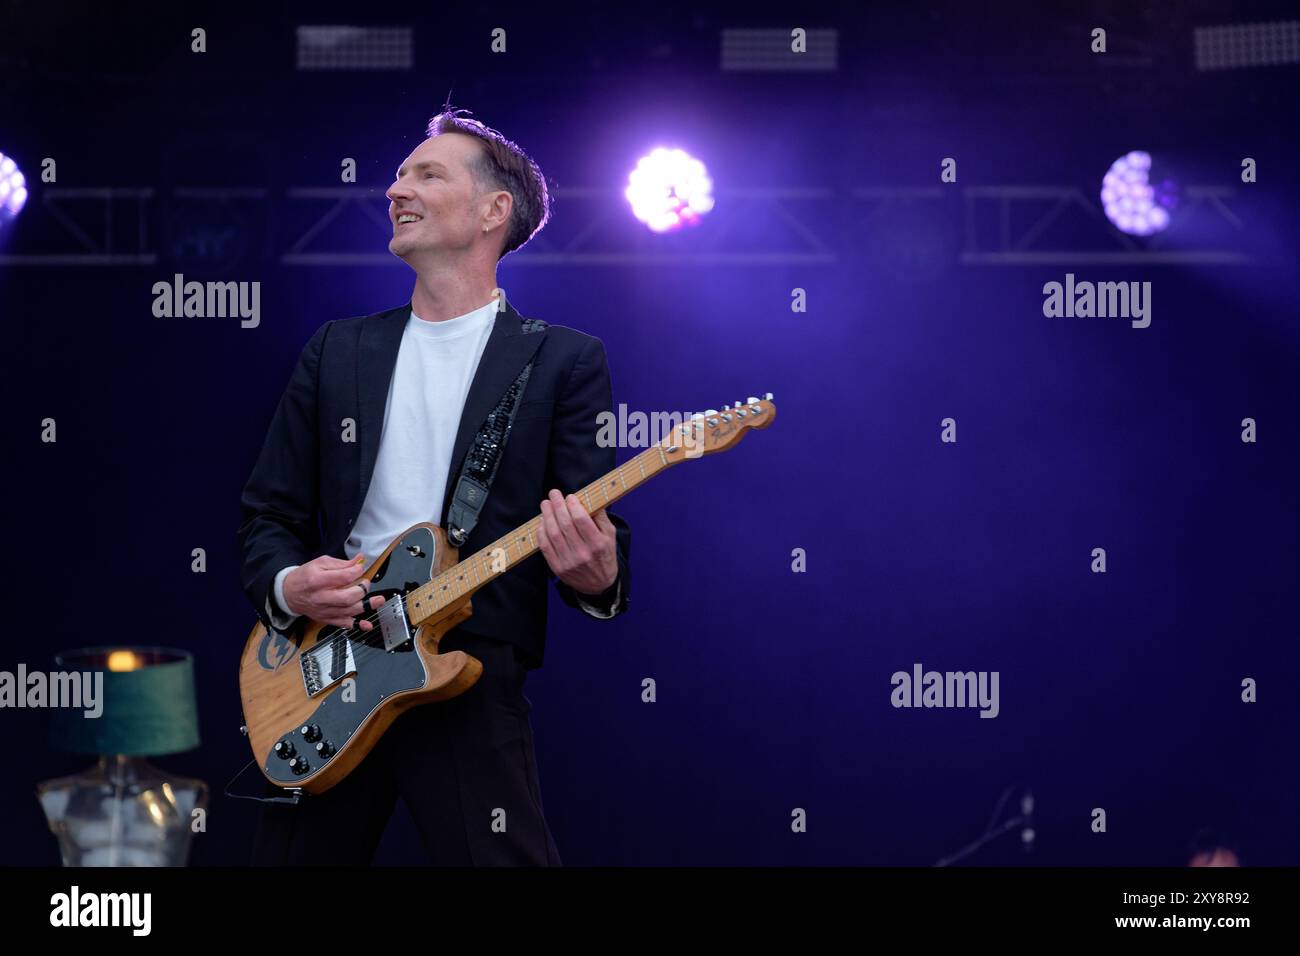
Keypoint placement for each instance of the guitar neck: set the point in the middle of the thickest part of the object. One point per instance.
(501, 555)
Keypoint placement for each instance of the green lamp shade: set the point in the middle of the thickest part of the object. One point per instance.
(148, 702)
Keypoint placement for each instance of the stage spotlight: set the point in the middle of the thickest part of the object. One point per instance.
(669, 189)
(1133, 202)
(13, 188)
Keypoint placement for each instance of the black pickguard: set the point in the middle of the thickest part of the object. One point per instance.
(377, 673)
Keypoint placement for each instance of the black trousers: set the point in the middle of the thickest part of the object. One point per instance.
(465, 768)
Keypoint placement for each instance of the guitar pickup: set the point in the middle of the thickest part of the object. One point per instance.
(392, 623)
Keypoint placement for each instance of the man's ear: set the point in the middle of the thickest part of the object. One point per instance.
(499, 208)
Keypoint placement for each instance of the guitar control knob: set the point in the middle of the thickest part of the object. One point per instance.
(299, 766)
(311, 732)
(284, 749)
(325, 748)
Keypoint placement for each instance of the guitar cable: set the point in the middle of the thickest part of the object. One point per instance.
(293, 800)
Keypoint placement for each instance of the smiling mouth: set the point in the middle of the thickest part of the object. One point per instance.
(408, 217)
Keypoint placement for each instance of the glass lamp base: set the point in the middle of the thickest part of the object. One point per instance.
(122, 812)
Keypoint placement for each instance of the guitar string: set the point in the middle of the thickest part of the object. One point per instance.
(356, 633)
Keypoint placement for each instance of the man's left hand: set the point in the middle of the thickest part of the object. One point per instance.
(580, 548)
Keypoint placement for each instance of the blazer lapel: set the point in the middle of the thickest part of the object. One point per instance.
(377, 350)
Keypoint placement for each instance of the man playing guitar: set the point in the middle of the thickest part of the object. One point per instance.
(368, 440)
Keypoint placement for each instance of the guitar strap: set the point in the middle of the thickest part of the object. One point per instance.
(484, 455)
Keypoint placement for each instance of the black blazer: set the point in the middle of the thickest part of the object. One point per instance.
(308, 485)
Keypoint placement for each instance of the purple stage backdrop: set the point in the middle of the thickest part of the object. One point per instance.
(950, 470)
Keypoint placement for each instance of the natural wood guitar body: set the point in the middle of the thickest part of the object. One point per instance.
(318, 698)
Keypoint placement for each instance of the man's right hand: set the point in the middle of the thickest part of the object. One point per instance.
(329, 590)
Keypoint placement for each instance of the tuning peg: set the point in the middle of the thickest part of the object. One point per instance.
(752, 400)
(698, 416)
(735, 404)
(710, 412)
(767, 396)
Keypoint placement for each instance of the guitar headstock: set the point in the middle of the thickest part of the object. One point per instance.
(717, 430)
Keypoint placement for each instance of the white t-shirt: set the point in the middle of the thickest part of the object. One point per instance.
(435, 366)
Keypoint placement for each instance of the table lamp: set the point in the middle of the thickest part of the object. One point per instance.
(124, 811)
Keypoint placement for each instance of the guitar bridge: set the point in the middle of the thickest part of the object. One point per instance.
(327, 663)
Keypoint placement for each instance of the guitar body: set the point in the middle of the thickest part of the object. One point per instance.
(317, 698)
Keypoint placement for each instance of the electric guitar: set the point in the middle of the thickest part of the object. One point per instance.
(318, 698)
